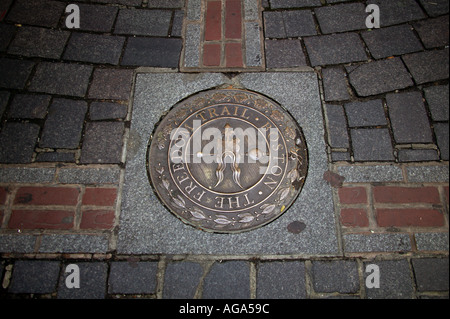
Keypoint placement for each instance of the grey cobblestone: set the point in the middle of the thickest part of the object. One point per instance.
(433, 32)
(92, 282)
(431, 273)
(102, 143)
(341, 17)
(14, 73)
(428, 66)
(396, 12)
(45, 13)
(438, 101)
(278, 4)
(17, 141)
(143, 22)
(335, 84)
(156, 52)
(72, 175)
(335, 276)
(123, 274)
(411, 155)
(181, 280)
(27, 106)
(97, 18)
(284, 53)
(369, 113)
(228, 280)
(372, 145)
(337, 126)
(38, 277)
(281, 280)
(442, 137)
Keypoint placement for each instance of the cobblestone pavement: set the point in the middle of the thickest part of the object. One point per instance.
(66, 108)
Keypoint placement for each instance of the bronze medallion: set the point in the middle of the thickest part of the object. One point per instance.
(227, 160)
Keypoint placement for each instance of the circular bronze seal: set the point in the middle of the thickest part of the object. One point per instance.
(227, 160)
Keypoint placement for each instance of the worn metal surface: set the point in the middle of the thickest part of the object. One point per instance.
(227, 160)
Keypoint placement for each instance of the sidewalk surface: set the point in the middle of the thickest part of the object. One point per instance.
(78, 106)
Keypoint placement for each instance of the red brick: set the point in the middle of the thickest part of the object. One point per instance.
(211, 54)
(3, 194)
(354, 217)
(409, 217)
(213, 23)
(99, 196)
(47, 196)
(97, 219)
(233, 55)
(41, 219)
(352, 195)
(233, 19)
(401, 195)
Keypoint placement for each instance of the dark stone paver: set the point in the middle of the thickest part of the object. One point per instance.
(380, 76)
(123, 274)
(274, 24)
(281, 280)
(438, 100)
(299, 23)
(335, 276)
(102, 143)
(107, 110)
(335, 84)
(6, 34)
(39, 42)
(341, 17)
(433, 32)
(431, 273)
(64, 124)
(372, 145)
(227, 280)
(55, 157)
(277, 4)
(114, 84)
(369, 113)
(395, 40)
(36, 12)
(61, 78)
(442, 136)
(156, 52)
(399, 11)
(395, 280)
(335, 49)
(14, 73)
(435, 7)
(34, 276)
(97, 18)
(143, 22)
(284, 53)
(409, 155)
(27, 106)
(94, 48)
(4, 97)
(17, 142)
(92, 281)
(409, 118)
(337, 126)
(181, 280)
(428, 66)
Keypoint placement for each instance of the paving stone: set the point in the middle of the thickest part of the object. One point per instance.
(281, 280)
(165, 3)
(368, 113)
(277, 4)
(407, 155)
(94, 48)
(177, 25)
(181, 280)
(432, 241)
(341, 17)
(61, 78)
(335, 276)
(156, 52)
(26, 175)
(7, 32)
(337, 126)
(108, 175)
(372, 145)
(4, 97)
(193, 9)
(435, 7)
(396, 12)
(428, 66)
(143, 22)
(335, 84)
(107, 110)
(427, 174)
(431, 273)
(438, 101)
(340, 156)
(14, 73)
(391, 41)
(123, 274)
(123, 2)
(17, 142)
(112, 84)
(34, 276)
(395, 280)
(92, 281)
(335, 49)
(36, 12)
(73, 244)
(192, 41)
(39, 42)
(433, 32)
(227, 280)
(97, 18)
(253, 54)
(409, 118)
(17, 243)
(376, 242)
(273, 24)
(27, 106)
(64, 124)
(56, 157)
(102, 142)
(441, 131)
(379, 76)
(299, 23)
(369, 174)
(284, 54)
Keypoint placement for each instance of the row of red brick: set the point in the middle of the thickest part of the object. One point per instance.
(393, 206)
(45, 207)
